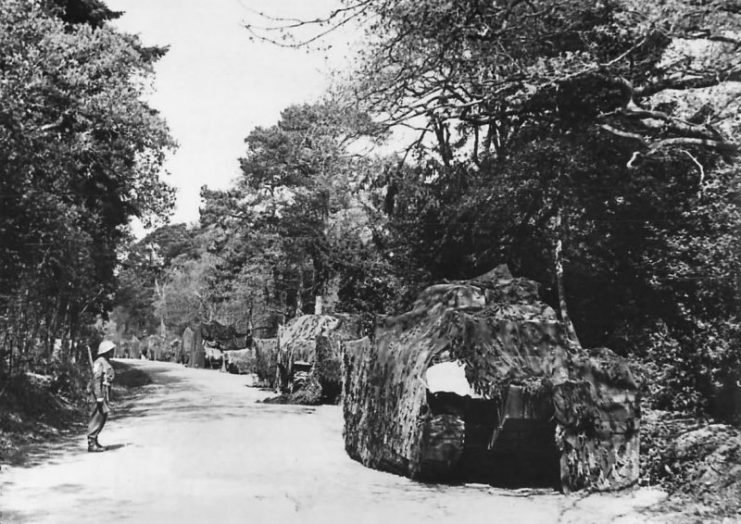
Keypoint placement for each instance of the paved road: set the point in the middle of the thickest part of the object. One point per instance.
(196, 447)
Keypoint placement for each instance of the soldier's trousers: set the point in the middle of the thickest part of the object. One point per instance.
(97, 420)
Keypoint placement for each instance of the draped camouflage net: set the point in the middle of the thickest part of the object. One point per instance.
(223, 337)
(240, 361)
(266, 360)
(204, 344)
(528, 408)
(260, 360)
(310, 349)
(193, 352)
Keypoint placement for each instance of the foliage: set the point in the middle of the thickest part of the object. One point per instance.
(142, 275)
(299, 182)
(589, 144)
(80, 154)
(600, 130)
(696, 463)
(92, 12)
(296, 225)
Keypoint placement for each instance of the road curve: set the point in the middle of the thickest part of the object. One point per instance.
(197, 447)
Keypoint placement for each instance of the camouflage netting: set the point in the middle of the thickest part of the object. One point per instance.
(266, 360)
(203, 344)
(310, 355)
(214, 357)
(534, 409)
(192, 347)
(224, 338)
(240, 361)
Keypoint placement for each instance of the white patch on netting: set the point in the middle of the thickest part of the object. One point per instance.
(449, 377)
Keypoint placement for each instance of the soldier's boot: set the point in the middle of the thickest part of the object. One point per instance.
(93, 446)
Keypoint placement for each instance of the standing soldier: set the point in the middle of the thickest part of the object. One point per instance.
(102, 378)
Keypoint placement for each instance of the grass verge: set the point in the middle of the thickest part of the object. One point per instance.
(36, 409)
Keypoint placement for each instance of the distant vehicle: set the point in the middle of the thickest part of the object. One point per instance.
(240, 361)
(214, 358)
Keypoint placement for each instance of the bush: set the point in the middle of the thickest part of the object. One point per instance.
(695, 373)
(698, 464)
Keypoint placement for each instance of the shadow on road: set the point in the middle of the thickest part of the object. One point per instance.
(38, 453)
(129, 376)
(132, 385)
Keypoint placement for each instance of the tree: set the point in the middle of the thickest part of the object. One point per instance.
(144, 272)
(495, 65)
(80, 154)
(92, 12)
(585, 142)
(297, 178)
(488, 76)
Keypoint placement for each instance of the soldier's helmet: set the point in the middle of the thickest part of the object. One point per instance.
(105, 347)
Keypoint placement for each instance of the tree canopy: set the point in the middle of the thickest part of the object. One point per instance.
(590, 144)
(80, 155)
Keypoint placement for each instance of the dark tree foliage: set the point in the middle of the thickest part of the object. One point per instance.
(80, 155)
(92, 12)
(598, 133)
(590, 144)
(298, 182)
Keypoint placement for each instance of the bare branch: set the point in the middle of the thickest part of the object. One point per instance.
(689, 82)
(697, 142)
(335, 20)
(699, 166)
(624, 134)
(633, 158)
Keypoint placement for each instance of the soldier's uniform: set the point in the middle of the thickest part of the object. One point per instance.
(103, 375)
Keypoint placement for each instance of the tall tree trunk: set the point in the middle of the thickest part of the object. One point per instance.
(9, 349)
(283, 305)
(299, 294)
(442, 133)
(476, 139)
(561, 288)
(160, 290)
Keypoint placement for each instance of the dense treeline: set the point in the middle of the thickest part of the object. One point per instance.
(80, 155)
(296, 226)
(590, 145)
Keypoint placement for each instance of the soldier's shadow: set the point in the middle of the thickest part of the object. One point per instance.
(114, 447)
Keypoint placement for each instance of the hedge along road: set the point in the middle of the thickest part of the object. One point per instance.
(195, 446)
